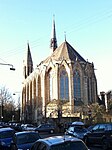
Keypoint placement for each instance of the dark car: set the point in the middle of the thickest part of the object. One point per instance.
(90, 127)
(46, 128)
(6, 135)
(24, 140)
(17, 127)
(59, 143)
(100, 134)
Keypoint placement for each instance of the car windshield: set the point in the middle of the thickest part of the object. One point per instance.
(79, 130)
(44, 126)
(40, 126)
(7, 134)
(29, 125)
(76, 129)
(78, 145)
(27, 138)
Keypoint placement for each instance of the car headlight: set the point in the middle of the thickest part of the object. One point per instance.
(76, 135)
(3, 143)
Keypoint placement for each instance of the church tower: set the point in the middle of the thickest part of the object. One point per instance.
(53, 42)
(28, 63)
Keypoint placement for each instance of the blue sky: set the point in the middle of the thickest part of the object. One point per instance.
(88, 27)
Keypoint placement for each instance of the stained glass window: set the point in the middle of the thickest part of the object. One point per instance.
(64, 87)
(51, 85)
(77, 85)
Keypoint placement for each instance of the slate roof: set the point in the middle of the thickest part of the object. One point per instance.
(65, 51)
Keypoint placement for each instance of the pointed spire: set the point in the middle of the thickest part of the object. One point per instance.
(29, 58)
(29, 62)
(53, 43)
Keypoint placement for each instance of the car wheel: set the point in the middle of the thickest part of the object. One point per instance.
(105, 144)
(51, 131)
(13, 147)
(86, 140)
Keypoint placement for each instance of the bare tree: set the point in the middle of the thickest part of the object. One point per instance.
(6, 104)
(110, 106)
(97, 112)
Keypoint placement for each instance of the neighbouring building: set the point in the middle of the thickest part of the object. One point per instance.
(61, 85)
(109, 95)
(106, 100)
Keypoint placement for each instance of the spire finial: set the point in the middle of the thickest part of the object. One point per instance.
(53, 43)
(53, 17)
(28, 45)
(65, 36)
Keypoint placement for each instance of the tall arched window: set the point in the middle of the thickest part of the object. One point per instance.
(64, 87)
(50, 85)
(77, 85)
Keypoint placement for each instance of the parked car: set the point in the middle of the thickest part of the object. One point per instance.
(46, 128)
(17, 127)
(76, 131)
(24, 140)
(100, 134)
(90, 127)
(28, 127)
(59, 143)
(6, 135)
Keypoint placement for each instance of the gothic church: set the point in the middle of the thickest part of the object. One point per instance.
(62, 83)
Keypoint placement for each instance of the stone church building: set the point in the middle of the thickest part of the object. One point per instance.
(63, 84)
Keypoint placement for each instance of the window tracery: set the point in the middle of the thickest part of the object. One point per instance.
(64, 85)
(77, 85)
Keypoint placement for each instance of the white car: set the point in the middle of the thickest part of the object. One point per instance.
(29, 127)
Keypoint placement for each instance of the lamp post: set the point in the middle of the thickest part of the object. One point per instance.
(1, 110)
(18, 105)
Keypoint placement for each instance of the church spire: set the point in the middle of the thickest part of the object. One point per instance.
(28, 63)
(53, 42)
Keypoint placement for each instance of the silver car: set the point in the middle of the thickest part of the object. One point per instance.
(59, 143)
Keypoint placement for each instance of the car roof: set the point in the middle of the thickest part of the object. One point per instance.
(78, 123)
(58, 139)
(102, 124)
(26, 132)
(6, 129)
(28, 124)
(105, 123)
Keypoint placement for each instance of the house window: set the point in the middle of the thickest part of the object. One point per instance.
(64, 88)
(77, 85)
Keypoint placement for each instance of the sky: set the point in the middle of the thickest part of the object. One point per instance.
(88, 28)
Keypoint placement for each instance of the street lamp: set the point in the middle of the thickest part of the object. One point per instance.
(1, 111)
(18, 106)
(11, 68)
